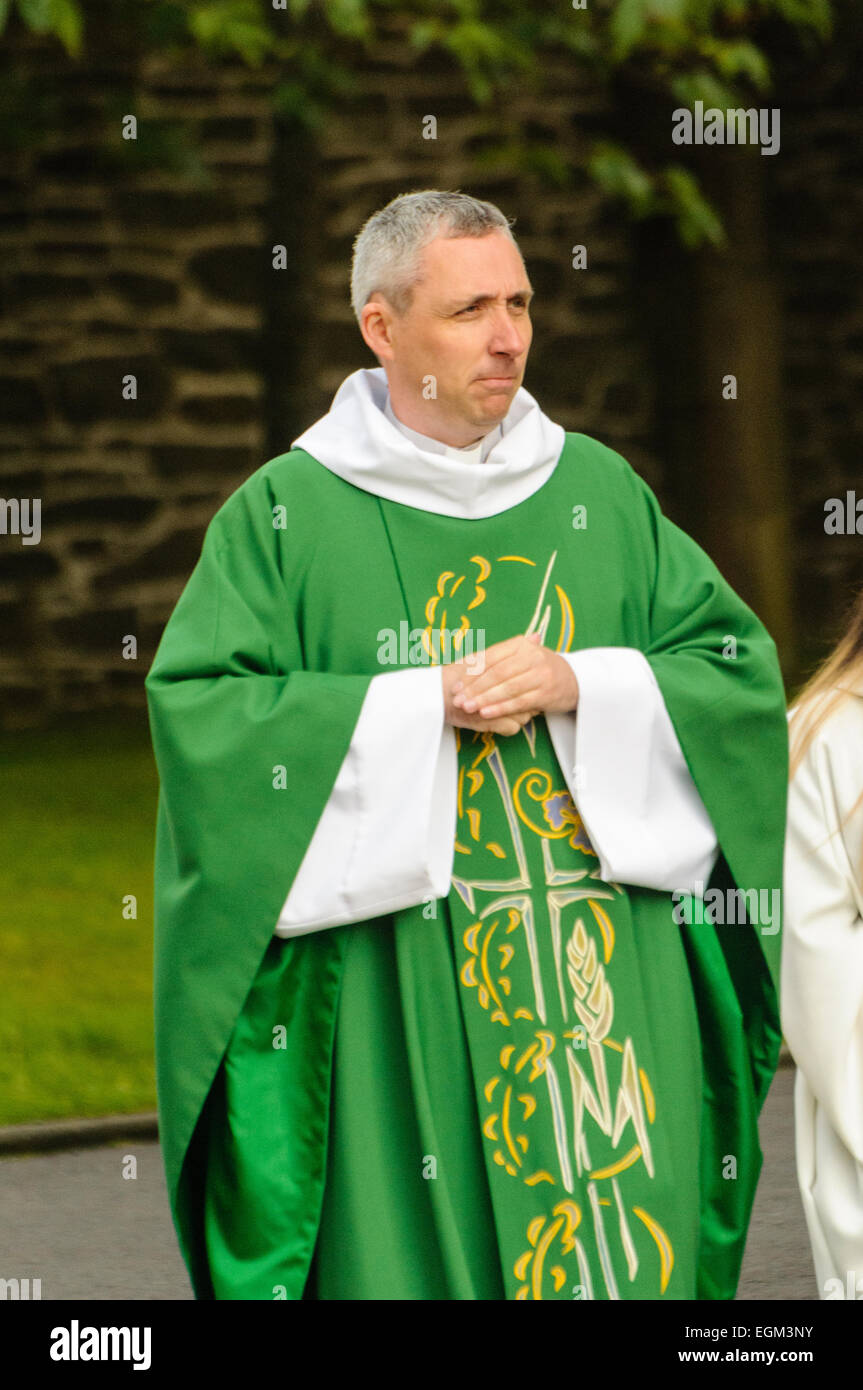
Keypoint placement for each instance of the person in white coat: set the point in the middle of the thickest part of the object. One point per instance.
(822, 962)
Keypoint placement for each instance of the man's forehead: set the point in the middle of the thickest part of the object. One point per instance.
(460, 266)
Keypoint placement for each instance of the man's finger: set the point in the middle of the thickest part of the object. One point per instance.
(511, 689)
(531, 698)
(507, 679)
(478, 664)
(490, 656)
(518, 664)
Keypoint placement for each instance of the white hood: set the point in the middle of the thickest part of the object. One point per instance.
(357, 441)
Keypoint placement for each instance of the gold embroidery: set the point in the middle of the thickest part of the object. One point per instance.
(543, 1074)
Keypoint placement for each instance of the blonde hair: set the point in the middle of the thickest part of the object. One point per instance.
(823, 693)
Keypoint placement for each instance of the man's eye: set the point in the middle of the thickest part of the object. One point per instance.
(514, 304)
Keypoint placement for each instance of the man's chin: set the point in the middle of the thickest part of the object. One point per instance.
(492, 401)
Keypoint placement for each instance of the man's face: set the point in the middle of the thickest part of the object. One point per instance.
(468, 327)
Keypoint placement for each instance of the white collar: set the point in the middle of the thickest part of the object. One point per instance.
(470, 453)
(358, 441)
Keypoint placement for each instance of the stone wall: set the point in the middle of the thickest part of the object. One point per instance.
(110, 267)
(817, 228)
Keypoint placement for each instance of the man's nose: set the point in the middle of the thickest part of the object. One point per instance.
(507, 335)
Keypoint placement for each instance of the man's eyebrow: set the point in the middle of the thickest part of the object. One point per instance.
(483, 297)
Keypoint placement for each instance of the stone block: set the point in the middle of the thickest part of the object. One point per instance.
(91, 389)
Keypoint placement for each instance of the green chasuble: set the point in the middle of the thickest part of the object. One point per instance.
(545, 1085)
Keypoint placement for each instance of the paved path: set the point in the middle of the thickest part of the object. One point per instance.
(72, 1220)
(777, 1263)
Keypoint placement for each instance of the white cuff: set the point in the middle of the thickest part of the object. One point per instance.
(386, 839)
(628, 777)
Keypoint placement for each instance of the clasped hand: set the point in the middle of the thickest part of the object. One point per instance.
(500, 689)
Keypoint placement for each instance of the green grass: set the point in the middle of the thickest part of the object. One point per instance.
(79, 812)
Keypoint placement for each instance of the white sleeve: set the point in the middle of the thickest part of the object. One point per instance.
(386, 839)
(628, 777)
(822, 947)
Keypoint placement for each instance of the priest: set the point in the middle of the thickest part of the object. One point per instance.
(430, 1022)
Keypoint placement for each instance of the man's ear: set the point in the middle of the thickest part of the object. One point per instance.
(374, 325)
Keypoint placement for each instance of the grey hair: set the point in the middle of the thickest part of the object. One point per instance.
(387, 249)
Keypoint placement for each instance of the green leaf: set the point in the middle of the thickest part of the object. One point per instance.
(677, 10)
(519, 155)
(5, 7)
(227, 27)
(737, 11)
(618, 173)
(36, 14)
(626, 26)
(738, 58)
(472, 41)
(292, 101)
(581, 41)
(164, 145)
(480, 88)
(348, 18)
(67, 22)
(549, 163)
(704, 85)
(696, 218)
(426, 32)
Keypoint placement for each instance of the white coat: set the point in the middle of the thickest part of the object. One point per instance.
(822, 991)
